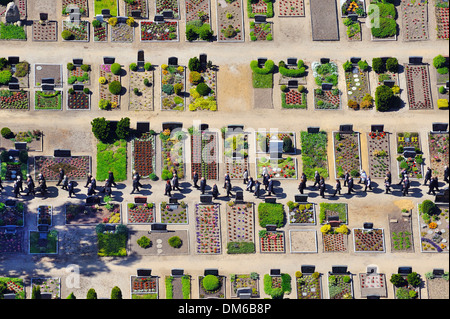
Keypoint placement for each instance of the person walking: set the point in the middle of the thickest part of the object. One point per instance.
(195, 179)
(227, 179)
(111, 179)
(30, 186)
(107, 188)
(404, 173)
(387, 185)
(88, 180)
(389, 177)
(203, 185)
(368, 184)
(135, 185)
(270, 187)
(434, 186)
(65, 182)
(228, 188)
(91, 190)
(266, 181)
(362, 177)
(350, 185)
(245, 175)
(302, 186)
(316, 179)
(1, 186)
(42, 184)
(138, 178)
(427, 176)
(71, 188)
(168, 189)
(446, 174)
(337, 188)
(303, 177)
(20, 182)
(60, 176)
(250, 184)
(215, 191)
(175, 183)
(16, 189)
(346, 178)
(322, 187)
(257, 189)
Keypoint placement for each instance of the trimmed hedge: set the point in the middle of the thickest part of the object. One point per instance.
(269, 66)
(295, 73)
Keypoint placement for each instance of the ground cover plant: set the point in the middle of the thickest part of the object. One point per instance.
(174, 213)
(112, 243)
(401, 233)
(230, 21)
(291, 8)
(12, 32)
(78, 31)
(308, 285)
(379, 154)
(78, 100)
(278, 168)
(112, 157)
(202, 86)
(100, 31)
(99, 5)
(353, 29)
(81, 214)
(12, 215)
(245, 281)
(75, 167)
(48, 100)
(346, 154)
(207, 228)
(301, 213)
(326, 73)
(173, 76)
(261, 31)
(178, 287)
(340, 286)
(277, 286)
(152, 31)
(262, 76)
(314, 154)
(414, 166)
(433, 221)
(144, 155)
(368, 240)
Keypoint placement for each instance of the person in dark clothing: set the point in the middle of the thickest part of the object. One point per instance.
(245, 175)
(427, 176)
(228, 188)
(1, 186)
(389, 178)
(446, 174)
(302, 185)
(94, 183)
(168, 189)
(135, 185)
(227, 178)
(270, 187)
(257, 189)
(16, 189)
(266, 181)
(91, 190)
(322, 187)
(30, 185)
(175, 183)
(203, 185)
(337, 188)
(107, 188)
(434, 186)
(65, 183)
(404, 188)
(60, 176)
(71, 188)
(138, 178)
(368, 184)
(350, 185)
(88, 180)
(387, 185)
(20, 182)
(195, 179)
(42, 184)
(250, 184)
(215, 191)
(316, 179)
(403, 174)
(111, 179)
(303, 177)
(346, 178)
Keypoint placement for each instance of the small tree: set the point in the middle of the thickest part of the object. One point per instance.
(116, 293)
(123, 128)
(392, 65)
(100, 128)
(414, 279)
(203, 89)
(5, 77)
(71, 296)
(91, 294)
(378, 66)
(175, 242)
(439, 61)
(194, 64)
(397, 280)
(36, 292)
(115, 87)
(116, 68)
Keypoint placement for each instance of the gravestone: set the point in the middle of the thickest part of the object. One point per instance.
(140, 56)
(409, 154)
(140, 200)
(203, 59)
(324, 60)
(415, 60)
(404, 270)
(167, 14)
(292, 84)
(48, 81)
(143, 127)
(211, 271)
(75, 17)
(203, 127)
(13, 60)
(235, 128)
(48, 87)
(338, 269)
(291, 61)
(106, 13)
(438, 272)
(206, 199)
(110, 227)
(275, 272)
(261, 62)
(368, 225)
(158, 228)
(271, 200)
(327, 86)
(109, 60)
(62, 153)
(144, 272)
(77, 61)
(159, 18)
(21, 146)
(377, 128)
(346, 128)
(260, 18)
(442, 197)
(389, 83)
(173, 61)
(355, 60)
(239, 196)
(313, 129)
(92, 200)
(271, 228)
(10, 203)
(244, 293)
(136, 13)
(440, 127)
(42, 228)
(353, 17)
(177, 272)
(78, 87)
(308, 269)
(46, 295)
(301, 198)
(173, 200)
(172, 125)
(43, 16)
(14, 86)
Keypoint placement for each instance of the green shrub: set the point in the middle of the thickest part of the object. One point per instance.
(348, 66)
(203, 89)
(133, 66)
(116, 68)
(378, 65)
(363, 65)
(414, 279)
(123, 128)
(168, 89)
(195, 77)
(175, 242)
(144, 242)
(194, 64)
(115, 87)
(100, 128)
(271, 214)
(428, 207)
(100, 228)
(5, 77)
(385, 98)
(70, 66)
(439, 61)
(7, 133)
(67, 35)
(269, 66)
(116, 293)
(397, 280)
(147, 66)
(71, 296)
(211, 283)
(91, 294)
(443, 70)
(178, 87)
(387, 28)
(392, 65)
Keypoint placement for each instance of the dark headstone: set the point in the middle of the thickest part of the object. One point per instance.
(409, 154)
(415, 60)
(389, 83)
(77, 61)
(173, 200)
(14, 86)
(13, 153)
(46, 295)
(375, 128)
(292, 83)
(43, 16)
(78, 87)
(261, 62)
(158, 227)
(177, 272)
(206, 199)
(260, 18)
(140, 200)
(438, 272)
(144, 272)
(159, 18)
(48, 81)
(10, 203)
(353, 17)
(355, 60)
(313, 129)
(404, 270)
(93, 200)
(373, 297)
(203, 127)
(239, 196)
(339, 269)
(333, 218)
(235, 128)
(172, 125)
(275, 272)
(140, 56)
(109, 60)
(13, 60)
(301, 198)
(244, 293)
(291, 61)
(440, 127)
(173, 61)
(143, 127)
(20, 146)
(271, 200)
(203, 58)
(308, 269)
(271, 227)
(442, 197)
(136, 13)
(211, 271)
(106, 13)
(42, 228)
(324, 60)
(62, 153)
(346, 128)
(110, 227)
(327, 86)
(167, 14)
(368, 225)
(48, 87)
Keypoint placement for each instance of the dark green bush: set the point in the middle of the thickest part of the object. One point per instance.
(91, 294)
(175, 242)
(116, 68)
(7, 133)
(203, 89)
(116, 293)
(100, 128)
(392, 65)
(378, 65)
(385, 98)
(397, 280)
(168, 89)
(123, 128)
(115, 87)
(211, 283)
(387, 28)
(414, 279)
(194, 64)
(271, 214)
(428, 207)
(5, 77)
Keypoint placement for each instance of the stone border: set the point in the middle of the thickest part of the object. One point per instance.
(368, 251)
(302, 230)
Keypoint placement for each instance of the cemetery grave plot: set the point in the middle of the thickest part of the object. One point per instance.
(291, 8)
(48, 285)
(143, 155)
(12, 215)
(368, 240)
(387, 26)
(154, 243)
(178, 287)
(78, 74)
(372, 284)
(353, 31)
(111, 241)
(207, 227)
(438, 144)
(206, 100)
(308, 285)
(230, 21)
(352, 7)
(324, 20)
(334, 238)
(250, 281)
(20, 73)
(12, 168)
(263, 138)
(406, 290)
(327, 100)
(198, 19)
(272, 241)
(48, 100)
(204, 155)
(75, 167)
(13, 286)
(12, 242)
(277, 285)
(44, 215)
(240, 227)
(122, 32)
(79, 31)
(379, 154)
(358, 86)
(326, 73)
(21, 5)
(100, 31)
(334, 242)
(314, 154)
(433, 227)
(14, 100)
(137, 5)
(32, 138)
(141, 213)
(44, 242)
(214, 289)
(340, 286)
(174, 213)
(400, 228)
(414, 166)
(82, 4)
(301, 213)
(12, 32)
(112, 157)
(418, 87)
(277, 168)
(161, 31)
(293, 81)
(170, 76)
(104, 92)
(261, 31)
(346, 154)
(415, 20)
(45, 31)
(236, 154)
(294, 99)
(78, 100)
(86, 214)
(303, 241)
(48, 71)
(172, 154)
(143, 82)
(260, 7)
(328, 210)
(437, 287)
(168, 5)
(111, 5)
(441, 11)
(144, 287)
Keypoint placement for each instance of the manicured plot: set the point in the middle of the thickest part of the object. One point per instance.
(340, 286)
(174, 213)
(303, 214)
(236, 154)
(240, 228)
(308, 286)
(75, 167)
(207, 228)
(143, 155)
(12, 215)
(168, 5)
(112, 157)
(438, 144)
(141, 213)
(12, 100)
(171, 77)
(204, 155)
(415, 20)
(105, 79)
(172, 154)
(245, 281)
(78, 31)
(230, 21)
(433, 227)
(346, 154)
(413, 165)
(203, 97)
(152, 31)
(263, 139)
(13, 286)
(144, 287)
(44, 243)
(82, 4)
(314, 154)
(81, 214)
(291, 8)
(111, 5)
(368, 240)
(418, 87)
(379, 154)
(137, 5)
(47, 31)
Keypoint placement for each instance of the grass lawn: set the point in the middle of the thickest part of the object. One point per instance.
(262, 81)
(106, 4)
(11, 31)
(111, 244)
(112, 157)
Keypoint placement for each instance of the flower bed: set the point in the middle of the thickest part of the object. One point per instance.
(301, 214)
(207, 226)
(204, 155)
(44, 215)
(415, 20)
(101, 32)
(171, 76)
(10, 100)
(314, 154)
(291, 8)
(78, 76)
(441, 12)
(82, 4)
(277, 169)
(80, 214)
(168, 5)
(334, 242)
(240, 222)
(439, 155)
(48, 101)
(141, 213)
(152, 31)
(261, 31)
(144, 83)
(172, 154)
(236, 154)
(260, 7)
(412, 165)
(245, 281)
(48, 245)
(104, 93)
(309, 286)
(45, 32)
(122, 32)
(144, 287)
(333, 209)
(12, 215)
(372, 284)
(418, 87)
(230, 19)
(12, 243)
(327, 100)
(357, 82)
(78, 100)
(79, 31)
(174, 213)
(293, 99)
(352, 7)
(209, 101)
(13, 286)
(140, 5)
(433, 227)
(379, 154)
(272, 242)
(75, 167)
(346, 154)
(263, 138)
(340, 286)
(48, 285)
(143, 155)
(368, 240)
